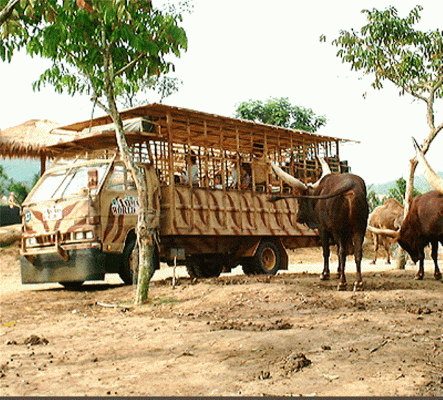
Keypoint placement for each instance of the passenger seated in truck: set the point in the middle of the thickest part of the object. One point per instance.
(245, 176)
(191, 160)
(218, 181)
(261, 169)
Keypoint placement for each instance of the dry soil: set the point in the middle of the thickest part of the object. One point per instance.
(289, 334)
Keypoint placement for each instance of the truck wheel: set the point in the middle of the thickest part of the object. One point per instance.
(214, 267)
(267, 259)
(129, 269)
(204, 267)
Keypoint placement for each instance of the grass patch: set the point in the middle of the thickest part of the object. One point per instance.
(166, 300)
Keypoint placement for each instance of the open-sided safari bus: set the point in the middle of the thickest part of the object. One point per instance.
(79, 221)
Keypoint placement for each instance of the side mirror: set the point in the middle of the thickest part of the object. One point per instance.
(11, 201)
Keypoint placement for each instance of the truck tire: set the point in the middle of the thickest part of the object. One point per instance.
(267, 259)
(129, 269)
(199, 267)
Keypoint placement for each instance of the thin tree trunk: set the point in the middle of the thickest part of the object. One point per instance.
(400, 261)
(144, 231)
(146, 265)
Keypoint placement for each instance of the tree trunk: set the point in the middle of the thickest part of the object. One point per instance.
(400, 261)
(145, 225)
(145, 228)
(146, 270)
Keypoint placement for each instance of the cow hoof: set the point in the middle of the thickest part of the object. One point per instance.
(418, 277)
(341, 286)
(437, 277)
(324, 277)
(358, 286)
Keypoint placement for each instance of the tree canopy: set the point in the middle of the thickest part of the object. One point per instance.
(120, 44)
(279, 112)
(390, 48)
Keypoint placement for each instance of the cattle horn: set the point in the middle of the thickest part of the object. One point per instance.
(289, 179)
(325, 171)
(294, 182)
(385, 232)
(434, 180)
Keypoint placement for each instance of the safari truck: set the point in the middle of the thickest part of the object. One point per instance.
(212, 209)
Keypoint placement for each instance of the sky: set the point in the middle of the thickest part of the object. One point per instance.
(255, 49)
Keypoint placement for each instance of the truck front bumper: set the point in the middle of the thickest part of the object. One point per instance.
(81, 265)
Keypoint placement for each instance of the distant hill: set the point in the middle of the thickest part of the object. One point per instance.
(21, 170)
(420, 183)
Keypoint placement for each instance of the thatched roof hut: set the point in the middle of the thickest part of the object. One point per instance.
(29, 140)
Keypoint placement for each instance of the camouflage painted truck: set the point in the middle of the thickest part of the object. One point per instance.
(79, 221)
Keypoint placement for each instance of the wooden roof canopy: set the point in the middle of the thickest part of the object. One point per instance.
(179, 125)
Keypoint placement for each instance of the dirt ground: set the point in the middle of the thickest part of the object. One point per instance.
(289, 334)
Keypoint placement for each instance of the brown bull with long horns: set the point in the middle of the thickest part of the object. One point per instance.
(423, 223)
(336, 205)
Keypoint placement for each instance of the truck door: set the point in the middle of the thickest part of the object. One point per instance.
(119, 207)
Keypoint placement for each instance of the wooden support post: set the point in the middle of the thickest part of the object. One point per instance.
(173, 272)
(42, 163)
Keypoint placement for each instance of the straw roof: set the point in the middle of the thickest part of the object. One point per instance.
(29, 139)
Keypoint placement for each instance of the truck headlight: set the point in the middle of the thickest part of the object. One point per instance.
(83, 235)
(31, 241)
(79, 235)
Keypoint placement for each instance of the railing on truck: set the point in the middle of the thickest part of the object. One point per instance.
(214, 188)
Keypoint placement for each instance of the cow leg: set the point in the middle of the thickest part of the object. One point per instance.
(421, 269)
(338, 266)
(358, 256)
(325, 275)
(437, 273)
(376, 243)
(342, 250)
(387, 246)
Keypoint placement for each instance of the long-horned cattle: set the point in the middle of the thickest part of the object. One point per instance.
(336, 205)
(423, 223)
(387, 216)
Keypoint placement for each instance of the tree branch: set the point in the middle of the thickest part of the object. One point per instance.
(7, 11)
(430, 103)
(134, 61)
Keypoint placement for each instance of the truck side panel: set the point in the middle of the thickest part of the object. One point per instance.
(215, 212)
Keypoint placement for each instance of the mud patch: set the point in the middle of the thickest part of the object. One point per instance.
(251, 326)
(295, 362)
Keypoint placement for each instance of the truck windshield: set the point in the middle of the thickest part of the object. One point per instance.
(67, 182)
